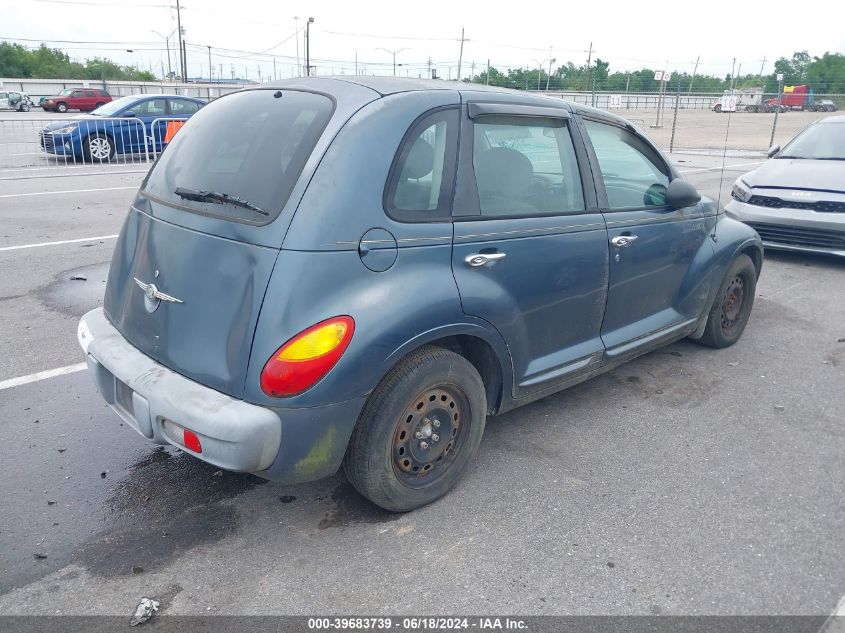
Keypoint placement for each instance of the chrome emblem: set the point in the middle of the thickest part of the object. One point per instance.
(152, 293)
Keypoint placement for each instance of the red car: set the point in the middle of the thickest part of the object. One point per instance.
(77, 99)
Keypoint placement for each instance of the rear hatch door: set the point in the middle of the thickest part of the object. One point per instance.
(196, 252)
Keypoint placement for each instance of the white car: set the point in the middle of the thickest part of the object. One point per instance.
(13, 100)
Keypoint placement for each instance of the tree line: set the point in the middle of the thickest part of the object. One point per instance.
(825, 74)
(52, 63)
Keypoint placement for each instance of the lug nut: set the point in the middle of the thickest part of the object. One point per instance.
(418, 435)
(436, 424)
(435, 437)
(423, 445)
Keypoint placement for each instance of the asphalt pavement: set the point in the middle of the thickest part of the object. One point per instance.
(689, 481)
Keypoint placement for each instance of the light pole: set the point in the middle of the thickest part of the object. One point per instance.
(308, 46)
(549, 76)
(167, 44)
(540, 65)
(394, 53)
(296, 35)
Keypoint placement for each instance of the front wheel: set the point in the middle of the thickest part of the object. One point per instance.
(98, 148)
(62, 107)
(24, 107)
(418, 431)
(732, 307)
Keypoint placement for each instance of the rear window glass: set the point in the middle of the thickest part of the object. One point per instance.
(239, 157)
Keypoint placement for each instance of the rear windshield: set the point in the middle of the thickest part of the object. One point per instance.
(239, 157)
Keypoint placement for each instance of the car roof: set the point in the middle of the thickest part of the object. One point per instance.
(386, 86)
(839, 118)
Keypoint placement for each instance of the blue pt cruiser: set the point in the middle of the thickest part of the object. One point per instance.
(357, 271)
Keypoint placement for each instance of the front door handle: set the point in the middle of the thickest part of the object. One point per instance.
(483, 259)
(621, 241)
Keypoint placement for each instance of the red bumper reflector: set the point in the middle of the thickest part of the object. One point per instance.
(191, 441)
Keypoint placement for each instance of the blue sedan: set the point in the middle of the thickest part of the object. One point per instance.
(130, 125)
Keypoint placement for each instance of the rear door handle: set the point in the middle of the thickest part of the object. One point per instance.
(483, 259)
(621, 241)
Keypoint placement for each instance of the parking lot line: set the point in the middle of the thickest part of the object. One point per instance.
(55, 193)
(59, 243)
(41, 375)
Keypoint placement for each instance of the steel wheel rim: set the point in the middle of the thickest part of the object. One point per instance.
(732, 304)
(430, 434)
(100, 147)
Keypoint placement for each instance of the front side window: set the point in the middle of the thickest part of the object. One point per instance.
(76, 93)
(420, 183)
(525, 167)
(151, 107)
(634, 175)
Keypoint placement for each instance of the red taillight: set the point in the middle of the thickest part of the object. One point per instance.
(191, 441)
(298, 364)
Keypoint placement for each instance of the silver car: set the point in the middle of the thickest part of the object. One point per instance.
(796, 200)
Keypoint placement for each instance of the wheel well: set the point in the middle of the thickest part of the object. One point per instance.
(756, 256)
(484, 359)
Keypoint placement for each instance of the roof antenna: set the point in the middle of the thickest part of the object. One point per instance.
(724, 154)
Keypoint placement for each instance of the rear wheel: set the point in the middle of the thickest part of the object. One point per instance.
(418, 431)
(732, 307)
(99, 104)
(61, 107)
(717, 107)
(98, 148)
(24, 107)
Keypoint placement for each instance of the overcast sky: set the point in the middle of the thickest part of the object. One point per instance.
(630, 35)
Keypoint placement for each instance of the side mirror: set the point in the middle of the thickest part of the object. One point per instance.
(680, 194)
(774, 149)
(128, 115)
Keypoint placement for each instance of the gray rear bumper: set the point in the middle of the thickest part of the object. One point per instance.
(157, 401)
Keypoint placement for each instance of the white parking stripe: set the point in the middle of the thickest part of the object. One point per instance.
(60, 242)
(836, 622)
(41, 375)
(55, 193)
(719, 168)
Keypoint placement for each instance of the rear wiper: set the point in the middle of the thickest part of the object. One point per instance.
(795, 157)
(214, 196)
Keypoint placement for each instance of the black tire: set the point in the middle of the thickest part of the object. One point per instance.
(98, 148)
(61, 107)
(418, 431)
(99, 105)
(717, 107)
(732, 307)
(24, 107)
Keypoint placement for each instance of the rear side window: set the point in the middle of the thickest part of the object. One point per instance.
(103, 93)
(183, 106)
(419, 187)
(249, 147)
(634, 175)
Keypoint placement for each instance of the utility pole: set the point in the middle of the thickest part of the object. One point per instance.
(461, 55)
(308, 46)
(182, 64)
(552, 60)
(472, 71)
(488, 71)
(429, 68)
(356, 61)
(589, 68)
(694, 70)
(210, 71)
(762, 66)
(274, 68)
(167, 44)
(184, 61)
